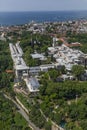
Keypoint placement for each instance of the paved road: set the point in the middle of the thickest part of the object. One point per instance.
(23, 113)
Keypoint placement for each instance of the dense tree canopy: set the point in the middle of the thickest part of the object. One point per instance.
(77, 70)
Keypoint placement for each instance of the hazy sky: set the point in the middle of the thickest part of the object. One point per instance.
(44, 5)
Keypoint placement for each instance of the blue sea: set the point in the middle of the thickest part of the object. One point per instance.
(19, 18)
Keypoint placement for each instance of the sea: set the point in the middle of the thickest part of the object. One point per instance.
(20, 18)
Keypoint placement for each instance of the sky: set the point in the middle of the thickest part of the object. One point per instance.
(42, 5)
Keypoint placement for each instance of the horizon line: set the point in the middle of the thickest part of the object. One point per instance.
(42, 11)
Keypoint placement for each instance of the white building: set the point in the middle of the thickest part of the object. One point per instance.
(65, 55)
(32, 84)
(38, 56)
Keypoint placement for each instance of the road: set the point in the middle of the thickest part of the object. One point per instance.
(23, 113)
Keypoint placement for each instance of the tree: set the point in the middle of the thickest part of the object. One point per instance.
(53, 73)
(4, 81)
(84, 124)
(77, 70)
(48, 126)
(60, 42)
